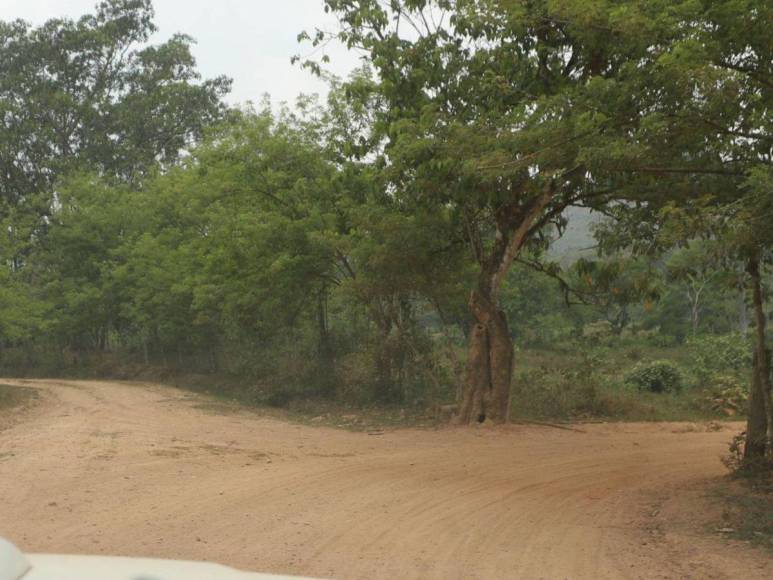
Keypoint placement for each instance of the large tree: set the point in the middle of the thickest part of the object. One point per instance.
(706, 133)
(92, 94)
(496, 110)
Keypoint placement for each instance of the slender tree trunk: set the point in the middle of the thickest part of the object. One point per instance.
(759, 428)
(325, 348)
(743, 314)
(693, 297)
(695, 318)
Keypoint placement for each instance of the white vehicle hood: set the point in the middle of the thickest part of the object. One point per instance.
(16, 566)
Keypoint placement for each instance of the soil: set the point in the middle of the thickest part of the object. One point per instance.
(136, 469)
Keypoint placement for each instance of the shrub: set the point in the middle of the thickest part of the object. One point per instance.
(727, 394)
(634, 354)
(546, 330)
(598, 331)
(737, 463)
(356, 378)
(660, 376)
(554, 393)
(544, 393)
(734, 459)
(713, 353)
(661, 340)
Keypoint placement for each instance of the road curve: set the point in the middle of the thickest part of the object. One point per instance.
(146, 470)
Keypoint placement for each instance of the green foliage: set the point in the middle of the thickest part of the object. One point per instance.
(660, 376)
(614, 285)
(726, 352)
(727, 394)
(322, 252)
(501, 118)
(598, 331)
(259, 254)
(561, 393)
(91, 95)
(576, 381)
(756, 468)
(22, 313)
(734, 460)
(538, 308)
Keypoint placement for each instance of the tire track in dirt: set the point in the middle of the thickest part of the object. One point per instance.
(140, 470)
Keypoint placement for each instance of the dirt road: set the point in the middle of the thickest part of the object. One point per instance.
(144, 470)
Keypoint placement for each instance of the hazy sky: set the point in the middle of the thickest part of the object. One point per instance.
(250, 41)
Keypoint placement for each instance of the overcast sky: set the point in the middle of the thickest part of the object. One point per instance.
(250, 41)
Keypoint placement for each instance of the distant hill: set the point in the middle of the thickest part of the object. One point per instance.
(577, 241)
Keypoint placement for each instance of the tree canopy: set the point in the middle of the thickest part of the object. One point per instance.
(93, 95)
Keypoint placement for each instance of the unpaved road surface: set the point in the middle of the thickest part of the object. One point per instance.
(145, 470)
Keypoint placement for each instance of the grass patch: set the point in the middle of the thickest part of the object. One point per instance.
(360, 418)
(322, 413)
(748, 508)
(576, 399)
(12, 400)
(12, 396)
(576, 383)
(231, 396)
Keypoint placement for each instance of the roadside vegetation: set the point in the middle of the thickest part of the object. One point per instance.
(404, 244)
(12, 397)
(747, 514)
(13, 401)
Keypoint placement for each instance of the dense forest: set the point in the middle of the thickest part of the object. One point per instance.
(552, 208)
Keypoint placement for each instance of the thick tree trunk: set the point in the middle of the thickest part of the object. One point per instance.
(486, 392)
(759, 428)
(486, 395)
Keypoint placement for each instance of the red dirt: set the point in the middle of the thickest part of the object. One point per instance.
(144, 470)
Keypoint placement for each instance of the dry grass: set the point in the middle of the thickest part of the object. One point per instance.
(13, 400)
(12, 396)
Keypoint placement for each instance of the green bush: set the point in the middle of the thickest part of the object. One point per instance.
(711, 353)
(660, 376)
(356, 378)
(660, 340)
(545, 393)
(563, 393)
